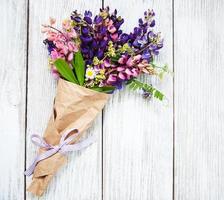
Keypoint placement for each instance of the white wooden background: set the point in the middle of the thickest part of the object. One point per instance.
(145, 150)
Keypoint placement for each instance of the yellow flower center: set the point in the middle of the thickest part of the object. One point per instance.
(89, 73)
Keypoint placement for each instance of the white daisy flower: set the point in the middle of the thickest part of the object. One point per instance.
(90, 73)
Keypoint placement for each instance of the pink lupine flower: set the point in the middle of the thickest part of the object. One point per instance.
(70, 56)
(137, 58)
(44, 29)
(121, 75)
(114, 36)
(52, 21)
(66, 24)
(55, 73)
(59, 44)
(101, 84)
(119, 69)
(112, 79)
(111, 29)
(72, 34)
(97, 69)
(76, 48)
(110, 23)
(106, 63)
(128, 71)
(123, 59)
(72, 47)
(61, 37)
(130, 62)
(128, 76)
(143, 64)
(135, 72)
(55, 55)
(64, 50)
(51, 36)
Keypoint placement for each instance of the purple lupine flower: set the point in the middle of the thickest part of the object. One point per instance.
(103, 44)
(106, 63)
(102, 30)
(87, 17)
(84, 49)
(146, 55)
(100, 54)
(50, 45)
(85, 30)
(106, 27)
(88, 13)
(86, 39)
(124, 38)
(76, 18)
(98, 20)
(153, 23)
(119, 85)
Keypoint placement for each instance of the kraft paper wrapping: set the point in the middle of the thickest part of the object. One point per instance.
(74, 107)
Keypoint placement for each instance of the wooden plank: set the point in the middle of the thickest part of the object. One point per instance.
(199, 100)
(138, 133)
(81, 178)
(12, 98)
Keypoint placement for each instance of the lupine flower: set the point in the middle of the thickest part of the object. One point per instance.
(60, 44)
(112, 57)
(55, 73)
(112, 79)
(87, 18)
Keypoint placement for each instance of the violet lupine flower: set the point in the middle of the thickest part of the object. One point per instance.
(76, 16)
(143, 38)
(113, 56)
(88, 17)
(96, 35)
(98, 19)
(50, 45)
(124, 37)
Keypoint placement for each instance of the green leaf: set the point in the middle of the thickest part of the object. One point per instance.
(106, 89)
(161, 75)
(65, 71)
(79, 66)
(131, 85)
(158, 95)
(115, 58)
(137, 85)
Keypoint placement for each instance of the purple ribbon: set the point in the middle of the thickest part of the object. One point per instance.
(62, 148)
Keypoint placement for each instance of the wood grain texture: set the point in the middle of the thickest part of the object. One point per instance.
(199, 100)
(81, 177)
(12, 98)
(137, 133)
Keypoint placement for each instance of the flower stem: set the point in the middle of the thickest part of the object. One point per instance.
(141, 50)
(48, 26)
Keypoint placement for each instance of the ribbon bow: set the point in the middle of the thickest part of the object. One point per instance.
(63, 147)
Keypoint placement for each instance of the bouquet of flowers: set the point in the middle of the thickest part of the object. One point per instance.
(91, 57)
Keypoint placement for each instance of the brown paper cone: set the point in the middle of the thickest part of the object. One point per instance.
(74, 107)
